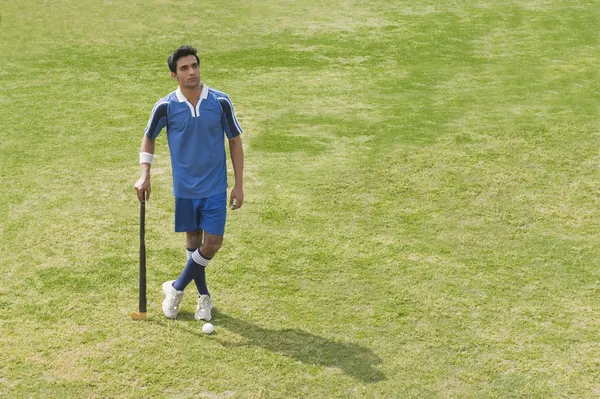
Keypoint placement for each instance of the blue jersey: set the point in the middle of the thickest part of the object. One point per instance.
(196, 137)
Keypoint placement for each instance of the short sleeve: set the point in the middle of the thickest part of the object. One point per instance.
(158, 119)
(230, 123)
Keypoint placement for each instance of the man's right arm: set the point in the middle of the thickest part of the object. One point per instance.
(157, 121)
(142, 186)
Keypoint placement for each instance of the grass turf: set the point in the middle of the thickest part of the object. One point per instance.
(421, 215)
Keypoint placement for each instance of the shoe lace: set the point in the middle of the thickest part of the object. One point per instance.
(177, 299)
(203, 302)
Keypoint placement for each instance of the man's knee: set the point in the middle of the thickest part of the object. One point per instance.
(193, 239)
(212, 245)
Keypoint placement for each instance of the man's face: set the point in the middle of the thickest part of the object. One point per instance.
(188, 72)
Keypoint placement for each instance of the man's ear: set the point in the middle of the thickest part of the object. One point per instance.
(174, 75)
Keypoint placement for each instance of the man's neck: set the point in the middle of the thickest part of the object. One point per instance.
(192, 95)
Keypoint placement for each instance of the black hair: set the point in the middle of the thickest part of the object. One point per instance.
(182, 51)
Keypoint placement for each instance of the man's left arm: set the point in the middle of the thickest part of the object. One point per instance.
(236, 198)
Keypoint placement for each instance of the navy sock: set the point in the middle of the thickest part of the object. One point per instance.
(200, 281)
(200, 278)
(194, 267)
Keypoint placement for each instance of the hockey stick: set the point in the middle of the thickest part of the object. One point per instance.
(141, 314)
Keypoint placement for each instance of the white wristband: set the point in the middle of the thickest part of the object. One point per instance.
(146, 157)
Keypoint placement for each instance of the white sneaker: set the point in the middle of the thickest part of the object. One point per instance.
(205, 305)
(172, 299)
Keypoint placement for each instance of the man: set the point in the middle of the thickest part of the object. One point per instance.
(197, 118)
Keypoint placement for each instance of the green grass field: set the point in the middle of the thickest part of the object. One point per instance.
(422, 215)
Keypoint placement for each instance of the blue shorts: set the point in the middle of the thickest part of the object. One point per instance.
(208, 214)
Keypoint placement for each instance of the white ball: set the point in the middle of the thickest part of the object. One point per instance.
(208, 328)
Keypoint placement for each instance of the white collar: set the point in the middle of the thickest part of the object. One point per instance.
(182, 98)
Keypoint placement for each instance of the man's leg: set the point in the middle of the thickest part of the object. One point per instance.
(194, 270)
(196, 264)
(210, 213)
(187, 217)
(211, 245)
(193, 241)
(212, 221)
(198, 261)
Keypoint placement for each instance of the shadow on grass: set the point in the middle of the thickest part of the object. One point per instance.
(354, 360)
